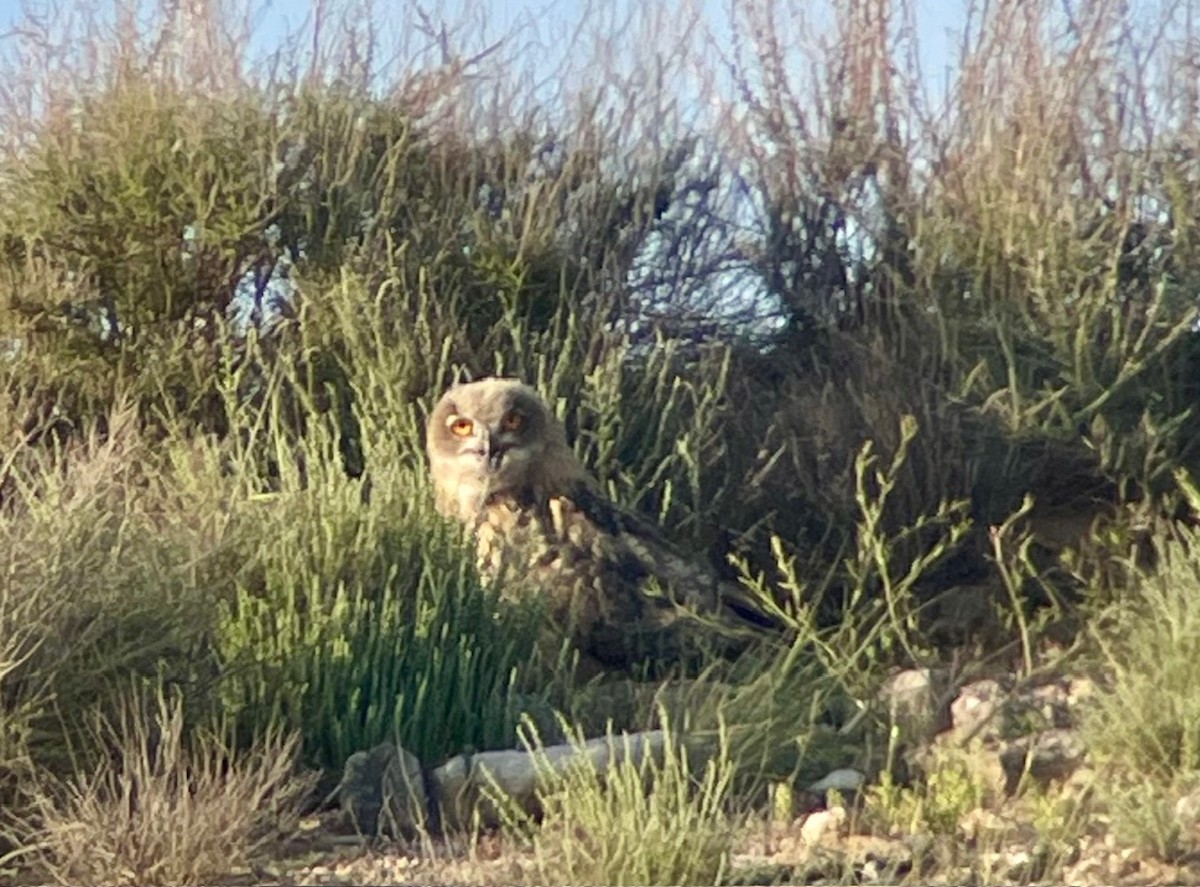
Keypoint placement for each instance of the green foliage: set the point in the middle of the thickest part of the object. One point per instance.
(876, 618)
(1060, 816)
(644, 821)
(1140, 724)
(1143, 816)
(365, 622)
(96, 586)
(129, 225)
(1148, 718)
(952, 787)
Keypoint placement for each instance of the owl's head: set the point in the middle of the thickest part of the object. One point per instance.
(494, 438)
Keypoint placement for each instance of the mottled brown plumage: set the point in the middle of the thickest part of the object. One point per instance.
(501, 465)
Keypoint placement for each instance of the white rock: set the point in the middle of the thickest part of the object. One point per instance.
(817, 825)
(843, 780)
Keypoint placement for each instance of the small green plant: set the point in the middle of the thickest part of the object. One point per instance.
(1146, 718)
(366, 622)
(1060, 816)
(951, 788)
(880, 607)
(1143, 726)
(1143, 816)
(640, 820)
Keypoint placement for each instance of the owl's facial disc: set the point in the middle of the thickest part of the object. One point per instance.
(494, 450)
(491, 439)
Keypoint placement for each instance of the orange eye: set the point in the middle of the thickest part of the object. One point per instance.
(460, 427)
(512, 422)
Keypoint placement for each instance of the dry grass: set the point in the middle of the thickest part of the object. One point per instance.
(164, 804)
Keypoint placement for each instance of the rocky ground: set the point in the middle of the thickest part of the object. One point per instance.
(1016, 815)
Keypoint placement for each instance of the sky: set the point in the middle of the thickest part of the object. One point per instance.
(545, 26)
(551, 19)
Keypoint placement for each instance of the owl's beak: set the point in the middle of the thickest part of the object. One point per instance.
(494, 455)
(492, 452)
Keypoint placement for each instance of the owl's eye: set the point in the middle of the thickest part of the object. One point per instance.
(461, 427)
(513, 421)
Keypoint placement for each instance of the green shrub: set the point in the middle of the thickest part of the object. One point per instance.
(642, 821)
(366, 621)
(100, 581)
(1146, 719)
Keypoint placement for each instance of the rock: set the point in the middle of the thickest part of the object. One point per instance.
(1080, 692)
(1047, 706)
(1050, 755)
(987, 710)
(1099, 862)
(844, 780)
(834, 857)
(916, 703)
(981, 826)
(382, 790)
(1187, 813)
(975, 710)
(385, 790)
(877, 860)
(821, 825)
(1013, 863)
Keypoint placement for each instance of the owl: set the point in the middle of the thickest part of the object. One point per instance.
(610, 581)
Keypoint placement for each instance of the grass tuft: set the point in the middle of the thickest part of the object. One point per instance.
(1143, 727)
(643, 820)
(167, 805)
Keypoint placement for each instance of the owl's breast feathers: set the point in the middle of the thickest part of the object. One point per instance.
(624, 593)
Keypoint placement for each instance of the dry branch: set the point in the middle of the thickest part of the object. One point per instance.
(386, 789)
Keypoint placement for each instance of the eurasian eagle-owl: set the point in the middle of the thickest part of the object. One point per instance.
(502, 467)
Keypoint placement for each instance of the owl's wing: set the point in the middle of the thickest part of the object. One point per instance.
(642, 589)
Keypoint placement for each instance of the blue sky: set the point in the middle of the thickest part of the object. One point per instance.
(548, 22)
(551, 20)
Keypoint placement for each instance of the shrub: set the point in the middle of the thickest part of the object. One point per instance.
(101, 580)
(642, 821)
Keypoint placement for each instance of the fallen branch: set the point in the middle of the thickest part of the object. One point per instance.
(387, 790)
